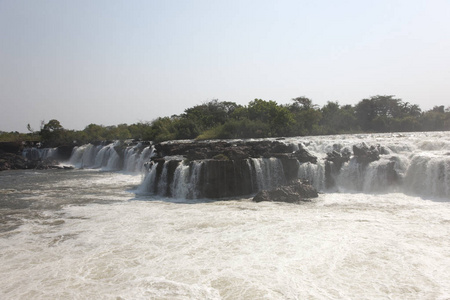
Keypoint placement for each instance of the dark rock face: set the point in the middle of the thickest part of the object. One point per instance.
(303, 155)
(365, 154)
(221, 178)
(233, 150)
(294, 192)
(225, 169)
(64, 152)
(338, 158)
(219, 169)
(11, 147)
(10, 161)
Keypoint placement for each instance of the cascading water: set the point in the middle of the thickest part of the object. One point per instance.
(428, 175)
(374, 177)
(106, 157)
(194, 179)
(84, 234)
(147, 185)
(37, 153)
(313, 173)
(416, 163)
(269, 172)
(135, 158)
(181, 185)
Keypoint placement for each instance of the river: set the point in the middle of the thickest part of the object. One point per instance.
(90, 234)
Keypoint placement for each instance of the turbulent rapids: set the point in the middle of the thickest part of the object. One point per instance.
(177, 221)
(412, 163)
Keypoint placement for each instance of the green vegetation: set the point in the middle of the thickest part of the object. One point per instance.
(260, 118)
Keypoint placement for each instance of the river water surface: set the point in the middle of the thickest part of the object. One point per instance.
(84, 234)
(87, 234)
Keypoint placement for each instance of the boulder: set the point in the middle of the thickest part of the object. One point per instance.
(364, 154)
(295, 192)
(338, 158)
(304, 155)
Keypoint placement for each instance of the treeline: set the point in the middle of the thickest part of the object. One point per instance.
(261, 118)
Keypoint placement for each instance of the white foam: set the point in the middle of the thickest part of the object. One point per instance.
(356, 246)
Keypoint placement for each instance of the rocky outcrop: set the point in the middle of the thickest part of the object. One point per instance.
(365, 154)
(220, 169)
(232, 150)
(10, 161)
(304, 155)
(295, 192)
(226, 168)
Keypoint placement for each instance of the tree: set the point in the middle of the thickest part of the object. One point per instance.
(278, 117)
(303, 103)
(305, 114)
(378, 112)
(337, 119)
(210, 114)
(53, 134)
(53, 125)
(95, 132)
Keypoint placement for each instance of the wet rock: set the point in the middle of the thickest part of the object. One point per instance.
(333, 164)
(64, 152)
(233, 150)
(337, 158)
(304, 155)
(10, 161)
(295, 192)
(224, 178)
(365, 154)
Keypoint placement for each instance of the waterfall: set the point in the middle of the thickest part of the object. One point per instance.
(131, 157)
(102, 157)
(194, 179)
(269, 172)
(142, 158)
(84, 156)
(313, 173)
(415, 163)
(37, 153)
(163, 181)
(148, 184)
(376, 177)
(181, 185)
(428, 175)
(106, 157)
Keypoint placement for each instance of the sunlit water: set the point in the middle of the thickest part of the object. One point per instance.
(84, 234)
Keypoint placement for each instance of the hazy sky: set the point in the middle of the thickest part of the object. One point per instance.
(111, 62)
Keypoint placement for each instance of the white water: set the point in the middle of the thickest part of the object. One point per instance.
(106, 157)
(84, 234)
(105, 244)
(269, 172)
(36, 153)
(421, 162)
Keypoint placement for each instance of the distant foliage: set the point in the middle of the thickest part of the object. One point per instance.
(260, 118)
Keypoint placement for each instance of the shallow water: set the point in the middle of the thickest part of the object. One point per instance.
(84, 234)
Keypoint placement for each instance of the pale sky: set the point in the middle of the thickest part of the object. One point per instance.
(111, 62)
